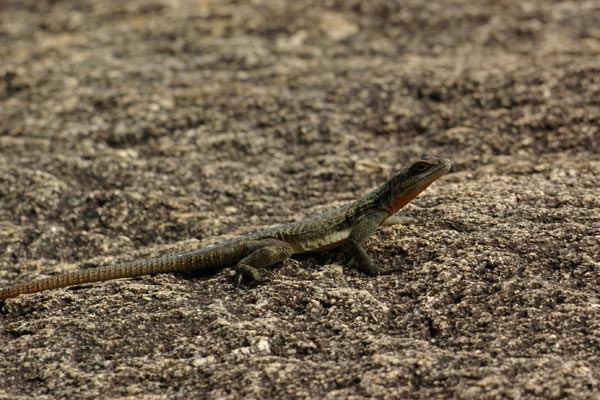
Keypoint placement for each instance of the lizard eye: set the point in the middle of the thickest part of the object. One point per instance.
(420, 166)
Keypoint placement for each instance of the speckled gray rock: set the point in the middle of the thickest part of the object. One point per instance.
(135, 129)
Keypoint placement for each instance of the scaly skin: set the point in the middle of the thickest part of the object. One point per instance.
(350, 225)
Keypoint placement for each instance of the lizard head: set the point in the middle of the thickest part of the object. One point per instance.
(408, 183)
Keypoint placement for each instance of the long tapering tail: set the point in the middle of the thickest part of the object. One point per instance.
(212, 257)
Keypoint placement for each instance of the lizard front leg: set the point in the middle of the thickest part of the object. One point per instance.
(262, 253)
(364, 229)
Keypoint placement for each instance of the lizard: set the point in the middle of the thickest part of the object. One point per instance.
(350, 226)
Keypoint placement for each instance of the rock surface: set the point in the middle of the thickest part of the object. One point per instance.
(141, 128)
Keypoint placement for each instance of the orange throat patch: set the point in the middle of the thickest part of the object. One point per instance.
(403, 200)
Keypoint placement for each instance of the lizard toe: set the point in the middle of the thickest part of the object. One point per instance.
(251, 274)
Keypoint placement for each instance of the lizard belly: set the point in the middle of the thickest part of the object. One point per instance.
(324, 242)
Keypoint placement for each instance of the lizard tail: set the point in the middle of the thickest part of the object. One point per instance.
(199, 259)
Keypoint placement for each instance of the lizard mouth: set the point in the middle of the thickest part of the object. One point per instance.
(443, 166)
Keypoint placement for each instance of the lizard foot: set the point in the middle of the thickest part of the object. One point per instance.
(374, 269)
(251, 274)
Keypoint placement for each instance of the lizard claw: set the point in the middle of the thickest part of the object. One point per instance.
(250, 274)
(374, 269)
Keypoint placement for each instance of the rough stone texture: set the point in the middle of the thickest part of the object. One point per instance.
(141, 128)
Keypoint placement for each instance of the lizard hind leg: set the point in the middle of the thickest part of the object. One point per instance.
(263, 253)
